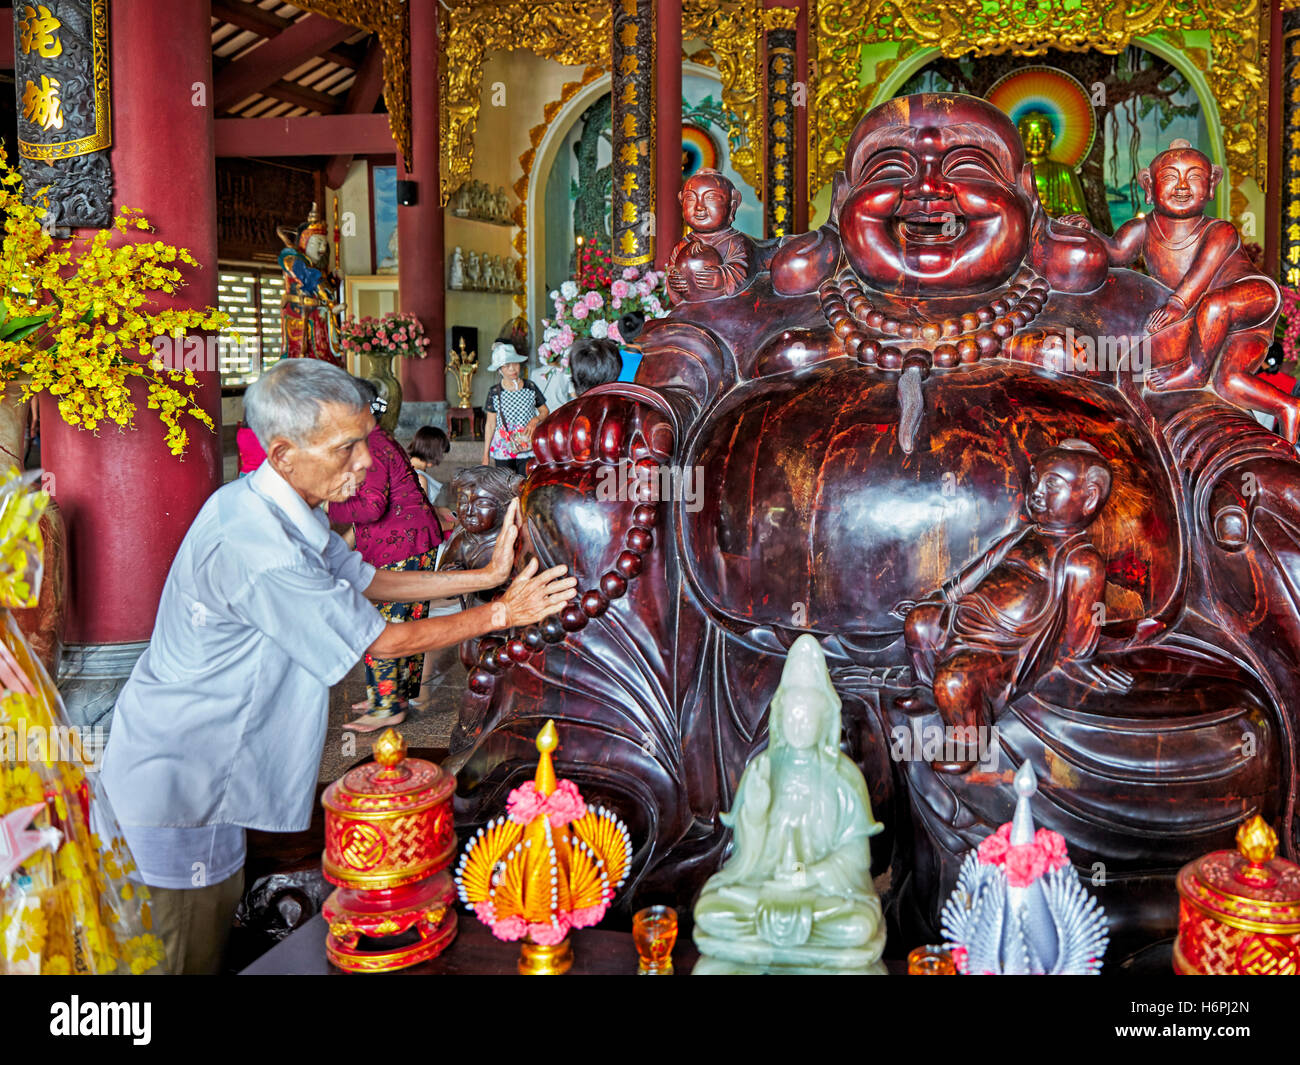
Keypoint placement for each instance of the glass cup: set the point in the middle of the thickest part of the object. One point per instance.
(930, 961)
(655, 931)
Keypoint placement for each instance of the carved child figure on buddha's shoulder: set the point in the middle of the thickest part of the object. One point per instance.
(1217, 325)
(1027, 605)
(715, 259)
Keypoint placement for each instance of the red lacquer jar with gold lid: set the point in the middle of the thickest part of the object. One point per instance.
(389, 838)
(1240, 910)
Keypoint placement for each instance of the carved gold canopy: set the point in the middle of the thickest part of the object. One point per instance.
(577, 33)
(1233, 65)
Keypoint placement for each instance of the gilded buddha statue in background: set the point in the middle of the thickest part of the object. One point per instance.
(1058, 186)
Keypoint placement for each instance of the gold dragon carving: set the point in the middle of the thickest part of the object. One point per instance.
(980, 28)
(578, 34)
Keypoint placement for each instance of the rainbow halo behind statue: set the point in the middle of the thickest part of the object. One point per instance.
(550, 864)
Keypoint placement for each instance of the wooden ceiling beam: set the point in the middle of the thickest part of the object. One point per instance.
(362, 97)
(306, 135)
(249, 17)
(301, 96)
(266, 65)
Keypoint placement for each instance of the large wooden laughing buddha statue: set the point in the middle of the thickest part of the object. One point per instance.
(933, 403)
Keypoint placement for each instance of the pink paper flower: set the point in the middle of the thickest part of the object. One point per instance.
(993, 850)
(594, 300)
(580, 311)
(547, 935)
(629, 273)
(1052, 845)
(618, 290)
(614, 334)
(510, 929)
(1025, 864)
(588, 915)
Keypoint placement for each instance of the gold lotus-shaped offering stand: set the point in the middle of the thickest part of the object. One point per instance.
(552, 863)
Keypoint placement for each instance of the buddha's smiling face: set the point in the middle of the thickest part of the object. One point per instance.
(936, 203)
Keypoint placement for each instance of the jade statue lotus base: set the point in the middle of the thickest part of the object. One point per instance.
(796, 894)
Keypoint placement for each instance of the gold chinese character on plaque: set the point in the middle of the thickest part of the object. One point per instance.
(36, 32)
(42, 106)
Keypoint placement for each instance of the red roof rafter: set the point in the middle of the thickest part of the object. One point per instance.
(267, 64)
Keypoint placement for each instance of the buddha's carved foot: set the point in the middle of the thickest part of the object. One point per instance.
(604, 427)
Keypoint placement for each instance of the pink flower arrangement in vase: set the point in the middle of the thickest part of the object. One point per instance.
(393, 334)
(592, 304)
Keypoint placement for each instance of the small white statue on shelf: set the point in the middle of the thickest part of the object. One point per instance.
(473, 272)
(460, 202)
(457, 278)
(501, 205)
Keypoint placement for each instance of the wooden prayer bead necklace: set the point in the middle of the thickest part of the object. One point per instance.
(875, 339)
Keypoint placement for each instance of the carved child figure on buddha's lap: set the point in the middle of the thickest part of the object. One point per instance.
(1216, 326)
(716, 259)
(796, 893)
(1028, 604)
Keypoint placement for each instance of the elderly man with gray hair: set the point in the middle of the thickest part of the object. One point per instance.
(222, 722)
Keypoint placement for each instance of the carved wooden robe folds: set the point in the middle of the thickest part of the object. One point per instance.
(866, 410)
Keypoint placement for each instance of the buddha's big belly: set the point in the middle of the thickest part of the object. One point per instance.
(813, 517)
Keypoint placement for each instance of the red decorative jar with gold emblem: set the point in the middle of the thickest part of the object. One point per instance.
(1240, 910)
(389, 838)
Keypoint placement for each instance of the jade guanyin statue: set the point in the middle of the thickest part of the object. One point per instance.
(796, 894)
(1058, 186)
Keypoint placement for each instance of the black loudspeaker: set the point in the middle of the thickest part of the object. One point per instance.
(406, 194)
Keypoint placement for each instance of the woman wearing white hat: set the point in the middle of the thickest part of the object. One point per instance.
(514, 407)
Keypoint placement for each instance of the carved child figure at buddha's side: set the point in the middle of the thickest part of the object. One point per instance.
(715, 259)
(1217, 324)
(796, 893)
(1027, 605)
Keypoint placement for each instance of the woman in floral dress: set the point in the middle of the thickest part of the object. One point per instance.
(396, 529)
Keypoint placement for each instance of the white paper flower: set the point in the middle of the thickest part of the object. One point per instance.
(600, 329)
(569, 289)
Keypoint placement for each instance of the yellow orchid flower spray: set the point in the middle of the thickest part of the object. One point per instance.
(78, 317)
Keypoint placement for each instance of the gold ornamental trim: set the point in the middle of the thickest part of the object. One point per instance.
(376, 811)
(103, 135)
(580, 34)
(787, 18)
(390, 21)
(1231, 909)
(980, 28)
(383, 879)
(568, 91)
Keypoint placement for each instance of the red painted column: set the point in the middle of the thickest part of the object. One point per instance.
(668, 128)
(421, 275)
(126, 499)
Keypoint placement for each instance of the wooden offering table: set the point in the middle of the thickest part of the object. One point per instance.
(475, 952)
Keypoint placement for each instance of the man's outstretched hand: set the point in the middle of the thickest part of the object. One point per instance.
(533, 596)
(503, 554)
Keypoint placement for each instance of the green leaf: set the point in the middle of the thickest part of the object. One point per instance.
(21, 328)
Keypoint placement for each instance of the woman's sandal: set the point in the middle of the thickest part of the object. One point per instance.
(372, 723)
